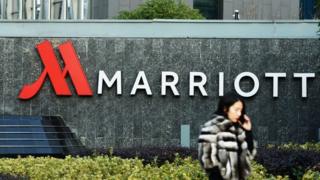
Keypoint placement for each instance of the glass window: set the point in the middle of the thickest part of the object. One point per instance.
(307, 9)
(36, 135)
(210, 9)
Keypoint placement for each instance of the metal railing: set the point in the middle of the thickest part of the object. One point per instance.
(44, 9)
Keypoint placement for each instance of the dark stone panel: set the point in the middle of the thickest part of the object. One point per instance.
(124, 142)
(282, 134)
(25, 107)
(308, 112)
(137, 142)
(18, 59)
(200, 111)
(54, 107)
(11, 103)
(296, 61)
(81, 46)
(8, 59)
(93, 57)
(262, 133)
(35, 106)
(100, 142)
(193, 56)
(233, 60)
(193, 143)
(137, 124)
(1, 97)
(168, 120)
(83, 119)
(181, 111)
(151, 123)
(302, 135)
(313, 84)
(290, 110)
(176, 142)
(125, 122)
(310, 48)
(154, 51)
(153, 142)
(103, 120)
(31, 63)
(158, 118)
(2, 57)
(43, 96)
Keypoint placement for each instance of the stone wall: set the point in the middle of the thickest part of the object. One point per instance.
(140, 120)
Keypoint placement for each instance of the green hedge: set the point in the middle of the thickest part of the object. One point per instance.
(293, 146)
(311, 175)
(259, 172)
(100, 167)
(161, 9)
(105, 167)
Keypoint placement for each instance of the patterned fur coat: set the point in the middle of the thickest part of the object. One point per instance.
(224, 145)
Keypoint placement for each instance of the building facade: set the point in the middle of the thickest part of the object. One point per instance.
(44, 9)
(109, 9)
(262, 9)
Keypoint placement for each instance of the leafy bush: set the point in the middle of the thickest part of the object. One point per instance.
(104, 167)
(161, 9)
(311, 175)
(316, 167)
(273, 162)
(260, 172)
(287, 161)
(283, 160)
(100, 167)
(293, 146)
(150, 154)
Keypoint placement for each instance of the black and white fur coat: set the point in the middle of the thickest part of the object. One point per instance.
(224, 145)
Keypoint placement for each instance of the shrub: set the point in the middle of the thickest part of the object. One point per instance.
(292, 146)
(257, 171)
(260, 172)
(316, 167)
(280, 160)
(150, 154)
(161, 9)
(311, 175)
(104, 167)
(99, 167)
(273, 162)
(287, 161)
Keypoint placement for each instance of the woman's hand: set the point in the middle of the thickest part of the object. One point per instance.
(247, 123)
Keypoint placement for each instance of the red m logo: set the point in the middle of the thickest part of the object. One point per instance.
(56, 74)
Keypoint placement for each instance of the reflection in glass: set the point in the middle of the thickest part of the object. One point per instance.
(210, 9)
(44, 9)
(36, 135)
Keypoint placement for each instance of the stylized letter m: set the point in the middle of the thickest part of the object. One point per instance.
(56, 74)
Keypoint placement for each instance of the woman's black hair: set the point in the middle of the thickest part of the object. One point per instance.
(228, 100)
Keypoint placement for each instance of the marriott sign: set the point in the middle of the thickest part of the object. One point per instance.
(197, 80)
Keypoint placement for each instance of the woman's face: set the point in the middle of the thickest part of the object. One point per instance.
(235, 111)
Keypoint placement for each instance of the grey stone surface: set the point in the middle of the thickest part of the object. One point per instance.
(255, 9)
(126, 121)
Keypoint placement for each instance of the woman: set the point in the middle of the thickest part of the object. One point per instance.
(226, 142)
